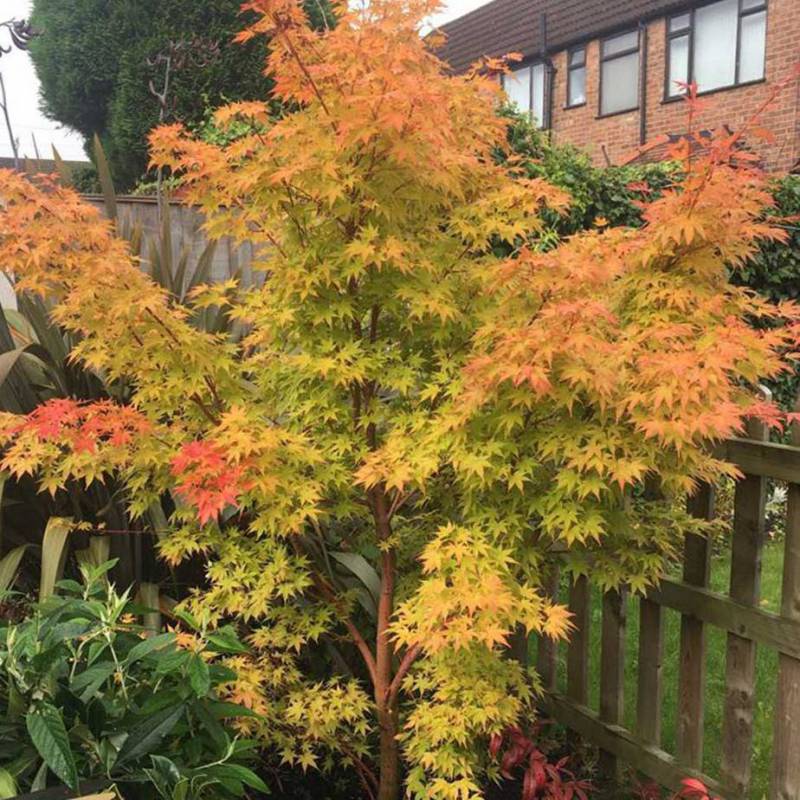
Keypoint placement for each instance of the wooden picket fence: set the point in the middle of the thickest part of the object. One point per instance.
(738, 614)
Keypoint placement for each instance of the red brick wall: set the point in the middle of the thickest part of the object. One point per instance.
(615, 137)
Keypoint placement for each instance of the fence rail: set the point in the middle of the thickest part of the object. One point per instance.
(738, 614)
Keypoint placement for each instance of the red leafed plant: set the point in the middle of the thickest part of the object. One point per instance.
(541, 778)
(691, 789)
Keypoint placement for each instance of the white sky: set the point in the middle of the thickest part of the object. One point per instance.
(22, 89)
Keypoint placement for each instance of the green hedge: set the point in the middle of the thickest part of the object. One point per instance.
(775, 271)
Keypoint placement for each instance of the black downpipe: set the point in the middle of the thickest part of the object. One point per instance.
(643, 84)
(549, 75)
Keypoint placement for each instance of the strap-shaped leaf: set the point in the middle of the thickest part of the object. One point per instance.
(106, 181)
(54, 551)
(9, 566)
(362, 569)
(8, 786)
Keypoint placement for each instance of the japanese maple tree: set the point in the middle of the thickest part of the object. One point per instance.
(412, 428)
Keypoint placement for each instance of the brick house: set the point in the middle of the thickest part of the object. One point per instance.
(601, 74)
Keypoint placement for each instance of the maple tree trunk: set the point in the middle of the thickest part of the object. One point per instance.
(389, 761)
(389, 756)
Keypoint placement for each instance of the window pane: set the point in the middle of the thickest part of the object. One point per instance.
(538, 94)
(518, 88)
(679, 23)
(577, 58)
(748, 4)
(620, 84)
(577, 86)
(678, 64)
(625, 41)
(715, 44)
(752, 48)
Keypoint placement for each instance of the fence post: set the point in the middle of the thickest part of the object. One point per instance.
(692, 668)
(749, 509)
(785, 782)
(547, 653)
(612, 670)
(649, 684)
(578, 647)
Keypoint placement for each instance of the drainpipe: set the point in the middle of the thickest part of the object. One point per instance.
(549, 75)
(643, 84)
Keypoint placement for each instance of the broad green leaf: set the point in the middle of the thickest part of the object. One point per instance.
(148, 734)
(243, 774)
(49, 736)
(165, 769)
(212, 727)
(89, 681)
(148, 646)
(199, 678)
(225, 640)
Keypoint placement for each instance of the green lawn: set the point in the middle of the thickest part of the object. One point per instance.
(766, 672)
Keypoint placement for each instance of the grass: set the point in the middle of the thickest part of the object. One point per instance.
(766, 672)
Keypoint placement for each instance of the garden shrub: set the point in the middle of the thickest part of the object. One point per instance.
(85, 696)
(612, 195)
(415, 425)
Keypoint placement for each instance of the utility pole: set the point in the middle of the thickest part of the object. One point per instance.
(4, 108)
(196, 53)
(20, 33)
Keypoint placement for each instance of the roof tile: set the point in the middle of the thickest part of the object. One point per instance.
(507, 26)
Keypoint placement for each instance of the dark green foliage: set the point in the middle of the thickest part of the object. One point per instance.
(84, 696)
(92, 62)
(612, 194)
(775, 271)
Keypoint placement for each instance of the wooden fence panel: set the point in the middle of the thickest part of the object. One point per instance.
(547, 653)
(649, 687)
